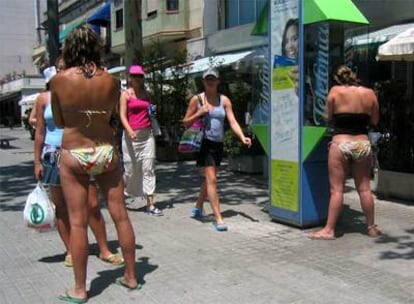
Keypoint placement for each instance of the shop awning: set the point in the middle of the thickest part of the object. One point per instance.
(28, 100)
(317, 11)
(200, 65)
(63, 33)
(380, 36)
(117, 69)
(102, 16)
(399, 48)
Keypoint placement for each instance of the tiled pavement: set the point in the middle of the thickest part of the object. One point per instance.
(182, 260)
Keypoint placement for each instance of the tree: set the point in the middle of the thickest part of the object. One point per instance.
(133, 32)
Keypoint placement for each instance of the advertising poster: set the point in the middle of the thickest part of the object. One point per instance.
(285, 109)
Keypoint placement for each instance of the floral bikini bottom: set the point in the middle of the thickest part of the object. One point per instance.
(354, 150)
(94, 160)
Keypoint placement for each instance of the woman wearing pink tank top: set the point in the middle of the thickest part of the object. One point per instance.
(138, 144)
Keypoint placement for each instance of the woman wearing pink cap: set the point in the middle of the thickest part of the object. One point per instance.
(139, 143)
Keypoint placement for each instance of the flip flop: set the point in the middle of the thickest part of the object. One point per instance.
(221, 227)
(197, 213)
(67, 298)
(113, 259)
(121, 282)
(320, 236)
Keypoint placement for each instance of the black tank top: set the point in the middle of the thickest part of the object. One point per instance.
(351, 123)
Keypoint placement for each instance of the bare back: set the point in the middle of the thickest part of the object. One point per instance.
(353, 99)
(84, 107)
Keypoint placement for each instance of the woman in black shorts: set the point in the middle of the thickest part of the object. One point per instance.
(211, 107)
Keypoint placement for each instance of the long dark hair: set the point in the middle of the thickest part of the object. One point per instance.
(83, 48)
(291, 22)
(345, 76)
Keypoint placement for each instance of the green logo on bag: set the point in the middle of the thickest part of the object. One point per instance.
(37, 214)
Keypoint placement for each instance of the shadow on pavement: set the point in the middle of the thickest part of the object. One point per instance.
(14, 183)
(404, 246)
(185, 180)
(93, 251)
(108, 277)
(353, 221)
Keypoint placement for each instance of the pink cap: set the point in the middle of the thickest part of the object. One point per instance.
(136, 70)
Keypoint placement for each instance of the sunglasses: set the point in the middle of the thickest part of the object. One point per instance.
(210, 78)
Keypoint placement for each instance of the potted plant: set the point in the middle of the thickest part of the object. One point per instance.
(242, 158)
(395, 156)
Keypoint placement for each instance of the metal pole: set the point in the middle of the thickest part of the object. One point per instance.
(53, 30)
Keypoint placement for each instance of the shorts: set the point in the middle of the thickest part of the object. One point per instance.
(210, 154)
(50, 175)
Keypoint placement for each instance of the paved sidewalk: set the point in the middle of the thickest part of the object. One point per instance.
(182, 260)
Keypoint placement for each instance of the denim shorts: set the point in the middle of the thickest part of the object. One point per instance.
(50, 174)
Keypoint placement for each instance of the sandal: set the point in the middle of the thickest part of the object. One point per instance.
(373, 231)
(113, 259)
(68, 261)
(155, 212)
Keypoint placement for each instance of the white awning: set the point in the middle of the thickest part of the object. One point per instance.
(117, 69)
(28, 100)
(380, 36)
(400, 48)
(200, 65)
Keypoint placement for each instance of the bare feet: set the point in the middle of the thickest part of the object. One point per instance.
(373, 231)
(321, 235)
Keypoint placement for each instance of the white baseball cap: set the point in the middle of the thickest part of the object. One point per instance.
(211, 72)
(48, 73)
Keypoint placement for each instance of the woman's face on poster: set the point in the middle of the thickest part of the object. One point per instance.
(292, 42)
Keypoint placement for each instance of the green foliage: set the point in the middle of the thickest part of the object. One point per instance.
(233, 146)
(169, 84)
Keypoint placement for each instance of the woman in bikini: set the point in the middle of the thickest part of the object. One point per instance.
(84, 98)
(46, 152)
(352, 108)
(139, 144)
(212, 108)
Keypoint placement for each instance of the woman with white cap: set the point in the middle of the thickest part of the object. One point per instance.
(212, 107)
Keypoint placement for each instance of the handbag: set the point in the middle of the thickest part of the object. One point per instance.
(39, 211)
(192, 137)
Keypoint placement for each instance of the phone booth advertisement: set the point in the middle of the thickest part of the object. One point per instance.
(298, 182)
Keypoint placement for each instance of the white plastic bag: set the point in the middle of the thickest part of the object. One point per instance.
(39, 211)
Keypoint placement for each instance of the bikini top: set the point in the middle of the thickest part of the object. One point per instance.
(351, 123)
